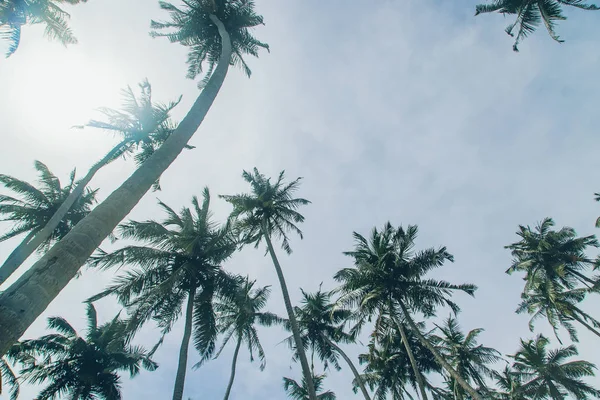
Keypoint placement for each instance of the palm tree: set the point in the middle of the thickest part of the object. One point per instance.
(7, 375)
(301, 392)
(531, 13)
(14, 14)
(208, 28)
(388, 280)
(321, 327)
(237, 316)
(559, 306)
(180, 259)
(143, 126)
(545, 374)
(83, 367)
(553, 257)
(32, 207)
(510, 384)
(270, 211)
(467, 357)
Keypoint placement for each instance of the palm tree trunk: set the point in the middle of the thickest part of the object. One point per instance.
(183, 350)
(29, 296)
(29, 245)
(409, 352)
(290, 311)
(233, 363)
(359, 380)
(582, 322)
(438, 357)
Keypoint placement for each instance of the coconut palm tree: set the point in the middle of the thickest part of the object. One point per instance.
(237, 317)
(83, 367)
(143, 126)
(545, 374)
(510, 384)
(270, 211)
(178, 263)
(14, 14)
(32, 207)
(8, 378)
(321, 329)
(300, 391)
(208, 28)
(529, 15)
(388, 279)
(467, 357)
(559, 307)
(553, 257)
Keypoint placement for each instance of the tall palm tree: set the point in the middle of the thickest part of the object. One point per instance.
(14, 14)
(321, 328)
(179, 262)
(388, 279)
(32, 207)
(559, 306)
(208, 28)
(83, 367)
(531, 13)
(545, 374)
(237, 317)
(553, 257)
(8, 377)
(270, 211)
(300, 391)
(467, 357)
(143, 126)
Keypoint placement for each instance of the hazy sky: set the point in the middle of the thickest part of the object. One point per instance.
(403, 110)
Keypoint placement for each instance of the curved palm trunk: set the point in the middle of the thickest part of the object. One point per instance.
(29, 296)
(292, 317)
(233, 363)
(409, 352)
(29, 245)
(438, 357)
(183, 350)
(359, 380)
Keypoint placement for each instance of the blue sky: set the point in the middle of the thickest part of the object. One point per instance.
(409, 111)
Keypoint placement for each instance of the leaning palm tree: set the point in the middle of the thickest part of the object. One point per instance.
(531, 13)
(30, 208)
(321, 329)
(178, 262)
(468, 358)
(545, 374)
(8, 378)
(300, 391)
(553, 257)
(14, 14)
(388, 280)
(83, 367)
(237, 317)
(559, 307)
(143, 127)
(270, 211)
(208, 28)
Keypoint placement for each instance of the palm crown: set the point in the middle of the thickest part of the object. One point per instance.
(36, 206)
(300, 392)
(531, 13)
(82, 367)
(192, 26)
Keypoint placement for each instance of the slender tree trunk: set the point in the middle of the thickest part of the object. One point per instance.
(409, 352)
(582, 322)
(292, 317)
(438, 357)
(183, 350)
(29, 245)
(233, 363)
(29, 296)
(359, 380)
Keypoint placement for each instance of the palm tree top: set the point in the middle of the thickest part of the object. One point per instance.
(191, 25)
(269, 204)
(530, 14)
(299, 392)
